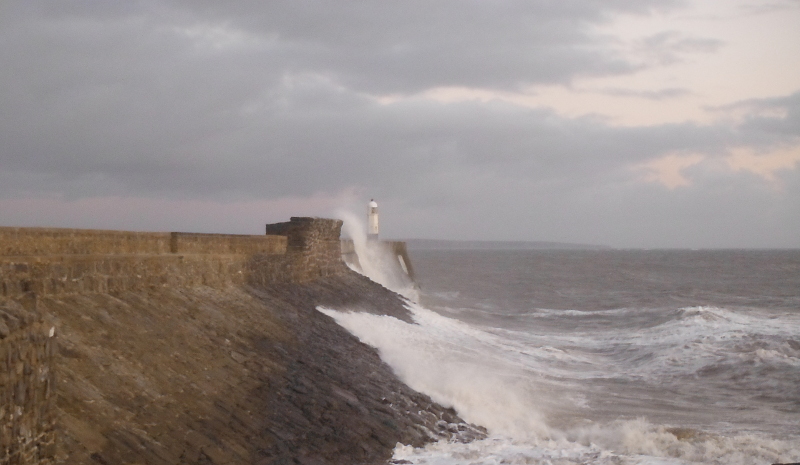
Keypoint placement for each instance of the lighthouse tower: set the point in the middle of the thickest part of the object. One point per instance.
(372, 221)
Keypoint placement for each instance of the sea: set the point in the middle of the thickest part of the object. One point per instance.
(600, 356)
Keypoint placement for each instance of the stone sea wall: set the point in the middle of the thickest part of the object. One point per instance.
(56, 241)
(27, 377)
(313, 249)
(179, 348)
(49, 261)
(38, 263)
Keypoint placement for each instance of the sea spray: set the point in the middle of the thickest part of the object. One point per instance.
(376, 260)
(439, 356)
(689, 380)
(475, 372)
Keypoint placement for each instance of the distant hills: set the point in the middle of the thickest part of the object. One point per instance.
(440, 244)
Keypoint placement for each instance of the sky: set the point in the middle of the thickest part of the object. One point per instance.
(626, 123)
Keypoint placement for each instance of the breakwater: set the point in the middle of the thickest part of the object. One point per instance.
(56, 261)
(128, 347)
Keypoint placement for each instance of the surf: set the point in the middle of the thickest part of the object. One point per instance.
(644, 385)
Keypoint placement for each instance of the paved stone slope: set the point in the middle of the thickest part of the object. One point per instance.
(27, 423)
(237, 375)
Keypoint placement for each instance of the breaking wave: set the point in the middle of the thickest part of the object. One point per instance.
(376, 261)
(521, 394)
(630, 385)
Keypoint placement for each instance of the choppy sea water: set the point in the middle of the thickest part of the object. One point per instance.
(603, 357)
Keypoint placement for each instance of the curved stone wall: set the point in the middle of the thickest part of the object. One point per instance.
(44, 262)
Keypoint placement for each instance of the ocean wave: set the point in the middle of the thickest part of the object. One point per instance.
(528, 386)
(560, 313)
(619, 442)
(455, 364)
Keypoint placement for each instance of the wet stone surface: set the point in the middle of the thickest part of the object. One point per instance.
(338, 399)
(235, 375)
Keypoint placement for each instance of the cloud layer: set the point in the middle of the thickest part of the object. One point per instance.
(244, 104)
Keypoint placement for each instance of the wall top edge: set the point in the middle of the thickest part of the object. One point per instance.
(121, 232)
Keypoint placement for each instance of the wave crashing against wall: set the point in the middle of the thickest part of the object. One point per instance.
(385, 262)
(199, 348)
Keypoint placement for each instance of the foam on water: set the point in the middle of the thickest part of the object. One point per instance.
(631, 442)
(455, 364)
(628, 385)
(686, 342)
(481, 376)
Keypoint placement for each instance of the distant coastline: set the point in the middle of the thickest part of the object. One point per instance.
(441, 244)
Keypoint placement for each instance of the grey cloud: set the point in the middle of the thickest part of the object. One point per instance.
(661, 94)
(123, 100)
(308, 136)
(763, 7)
(670, 47)
(770, 119)
(406, 46)
(716, 211)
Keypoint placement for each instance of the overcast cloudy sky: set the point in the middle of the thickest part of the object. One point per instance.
(630, 123)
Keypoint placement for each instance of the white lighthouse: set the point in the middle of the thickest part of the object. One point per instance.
(372, 221)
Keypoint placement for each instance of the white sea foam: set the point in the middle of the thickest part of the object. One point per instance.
(489, 381)
(549, 396)
(377, 262)
(549, 312)
(632, 442)
(693, 339)
(456, 365)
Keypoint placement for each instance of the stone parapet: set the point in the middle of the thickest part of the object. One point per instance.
(55, 241)
(49, 261)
